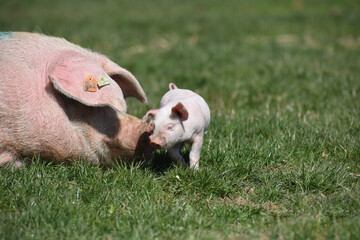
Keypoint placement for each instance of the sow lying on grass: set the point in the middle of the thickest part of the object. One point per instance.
(64, 102)
(183, 116)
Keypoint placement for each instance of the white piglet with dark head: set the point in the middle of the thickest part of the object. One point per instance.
(183, 117)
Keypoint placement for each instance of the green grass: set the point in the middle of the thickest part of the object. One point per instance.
(281, 158)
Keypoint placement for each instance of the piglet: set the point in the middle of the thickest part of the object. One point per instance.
(183, 117)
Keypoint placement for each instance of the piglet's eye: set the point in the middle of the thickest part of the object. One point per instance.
(170, 127)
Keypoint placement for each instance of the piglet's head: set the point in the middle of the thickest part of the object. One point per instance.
(168, 125)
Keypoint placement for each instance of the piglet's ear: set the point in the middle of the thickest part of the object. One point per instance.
(180, 111)
(151, 113)
(68, 72)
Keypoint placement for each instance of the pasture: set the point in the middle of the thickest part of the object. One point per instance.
(281, 158)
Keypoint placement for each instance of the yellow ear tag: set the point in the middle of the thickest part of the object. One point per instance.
(102, 81)
(90, 84)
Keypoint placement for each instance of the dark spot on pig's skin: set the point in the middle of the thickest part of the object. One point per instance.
(102, 119)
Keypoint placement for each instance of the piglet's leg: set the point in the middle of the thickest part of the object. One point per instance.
(195, 152)
(175, 155)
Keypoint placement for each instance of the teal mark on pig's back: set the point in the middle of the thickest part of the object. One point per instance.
(5, 35)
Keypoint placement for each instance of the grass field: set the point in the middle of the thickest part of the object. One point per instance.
(281, 158)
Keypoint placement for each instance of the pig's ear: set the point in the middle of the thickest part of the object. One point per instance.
(150, 113)
(68, 72)
(180, 111)
(127, 82)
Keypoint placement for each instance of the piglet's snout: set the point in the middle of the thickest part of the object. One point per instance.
(157, 142)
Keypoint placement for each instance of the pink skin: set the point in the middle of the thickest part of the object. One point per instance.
(44, 109)
(183, 117)
(172, 86)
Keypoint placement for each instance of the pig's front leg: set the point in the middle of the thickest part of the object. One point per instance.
(10, 158)
(175, 155)
(195, 151)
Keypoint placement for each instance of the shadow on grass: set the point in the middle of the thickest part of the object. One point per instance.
(161, 162)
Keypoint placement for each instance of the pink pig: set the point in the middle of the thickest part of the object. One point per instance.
(47, 108)
(183, 116)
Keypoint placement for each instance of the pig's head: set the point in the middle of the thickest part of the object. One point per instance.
(102, 110)
(168, 125)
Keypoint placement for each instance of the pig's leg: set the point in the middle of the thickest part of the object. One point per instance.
(175, 155)
(9, 158)
(195, 152)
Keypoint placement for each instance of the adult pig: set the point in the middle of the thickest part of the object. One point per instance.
(47, 108)
(183, 116)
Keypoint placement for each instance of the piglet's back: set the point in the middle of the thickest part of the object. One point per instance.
(188, 98)
(177, 95)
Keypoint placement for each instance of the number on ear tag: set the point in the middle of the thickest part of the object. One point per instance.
(90, 84)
